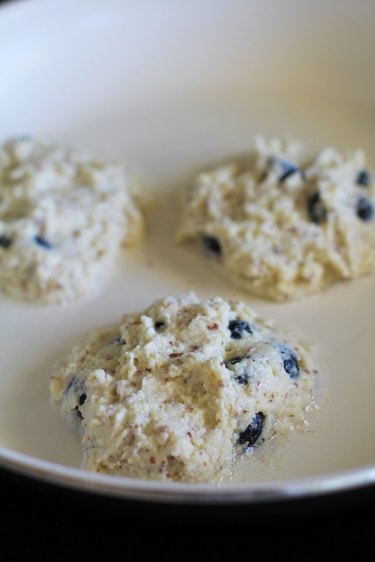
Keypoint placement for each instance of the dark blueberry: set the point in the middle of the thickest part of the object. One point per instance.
(211, 245)
(119, 340)
(365, 209)
(237, 328)
(74, 384)
(291, 367)
(253, 431)
(81, 400)
(363, 178)
(287, 169)
(290, 361)
(315, 208)
(43, 242)
(78, 412)
(5, 241)
(159, 325)
(241, 377)
(77, 387)
(235, 360)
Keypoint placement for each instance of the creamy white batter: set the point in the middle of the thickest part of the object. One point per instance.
(282, 225)
(63, 219)
(178, 391)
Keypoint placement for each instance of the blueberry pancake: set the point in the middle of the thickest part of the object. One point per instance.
(63, 219)
(181, 390)
(283, 225)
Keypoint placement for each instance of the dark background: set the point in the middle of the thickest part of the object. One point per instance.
(42, 522)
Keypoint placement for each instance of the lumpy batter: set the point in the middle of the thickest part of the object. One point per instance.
(179, 390)
(63, 218)
(282, 225)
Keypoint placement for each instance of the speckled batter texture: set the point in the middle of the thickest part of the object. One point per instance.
(282, 225)
(178, 391)
(63, 219)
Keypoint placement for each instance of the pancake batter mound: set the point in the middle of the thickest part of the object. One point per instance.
(63, 218)
(178, 391)
(282, 226)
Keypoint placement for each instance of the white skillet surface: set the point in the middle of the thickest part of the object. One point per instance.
(170, 87)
